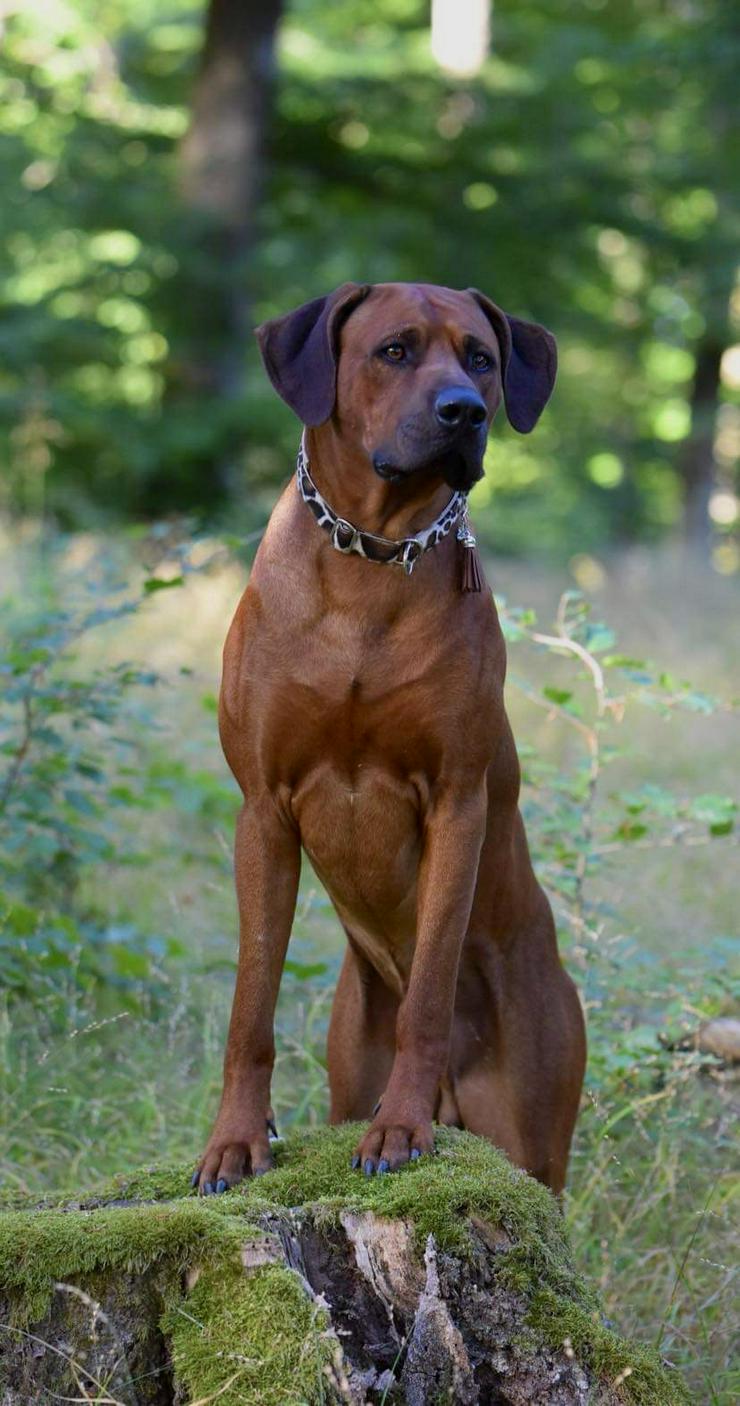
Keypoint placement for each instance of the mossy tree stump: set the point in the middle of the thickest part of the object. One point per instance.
(450, 1281)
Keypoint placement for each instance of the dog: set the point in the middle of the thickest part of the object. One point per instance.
(362, 714)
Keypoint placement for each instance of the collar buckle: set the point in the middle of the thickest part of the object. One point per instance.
(344, 536)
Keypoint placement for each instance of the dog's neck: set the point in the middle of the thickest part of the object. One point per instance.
(346, 478)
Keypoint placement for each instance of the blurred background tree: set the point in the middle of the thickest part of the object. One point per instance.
(162, 193)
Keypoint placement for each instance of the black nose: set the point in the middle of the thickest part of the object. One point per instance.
(459, 407)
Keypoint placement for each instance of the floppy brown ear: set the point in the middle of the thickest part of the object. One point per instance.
(530, 363)
(300, 350)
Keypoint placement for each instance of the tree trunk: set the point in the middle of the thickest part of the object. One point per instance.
(449, 1282)
(221, 167)
(222, 152)
(697, 458)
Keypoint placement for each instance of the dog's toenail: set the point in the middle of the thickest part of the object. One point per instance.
(271, 1128)
(415, 1154)
(384, 1165)
(209, 1189)
(369, 1167)
(195, 1178)
(355, 1163)
(221, 1186)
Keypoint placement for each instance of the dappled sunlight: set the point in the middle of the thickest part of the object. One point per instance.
(163, 193)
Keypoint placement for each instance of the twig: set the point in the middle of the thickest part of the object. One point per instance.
(683, 1262)
(665, 842)
(566, 642)
(76, 1367)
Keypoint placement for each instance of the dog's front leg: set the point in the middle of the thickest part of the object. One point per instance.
(402, 1127)
(267, 863)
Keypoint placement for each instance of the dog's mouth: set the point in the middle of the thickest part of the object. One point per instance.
(457, 469)
(388, 471)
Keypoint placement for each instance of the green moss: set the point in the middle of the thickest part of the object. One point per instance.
(218, 1339)
(11, 1199)
(219, 1329)
(158, 1183)
(226, 1311)
(467, 1177)
(39, 1247)
(166, 1183)
(611, 1358)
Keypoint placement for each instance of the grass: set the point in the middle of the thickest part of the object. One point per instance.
(650, 1200)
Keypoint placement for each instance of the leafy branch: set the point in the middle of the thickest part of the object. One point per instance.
(570, 827)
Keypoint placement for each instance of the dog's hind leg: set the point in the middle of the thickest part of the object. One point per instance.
(362, 1040)
(519, 1082)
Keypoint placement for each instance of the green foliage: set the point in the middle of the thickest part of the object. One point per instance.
(98, 1073)
(575, 829)
(68, 750)
(587, 175)
(653, 1102)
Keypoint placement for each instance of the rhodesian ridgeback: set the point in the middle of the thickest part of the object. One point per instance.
(362, 714)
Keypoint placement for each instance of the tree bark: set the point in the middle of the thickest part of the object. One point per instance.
(221, 171)
(417, 1329)
(145, 1295)
(697, 459)
(222, 152)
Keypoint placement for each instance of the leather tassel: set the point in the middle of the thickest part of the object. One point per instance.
(472, 567)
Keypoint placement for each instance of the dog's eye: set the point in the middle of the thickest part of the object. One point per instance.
(395, 351)
(481, 361)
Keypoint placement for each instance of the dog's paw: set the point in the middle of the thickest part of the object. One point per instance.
(231, 1155)
(387, 1146)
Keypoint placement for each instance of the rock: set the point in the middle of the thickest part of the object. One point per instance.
(720, 1037)
(449, 1282)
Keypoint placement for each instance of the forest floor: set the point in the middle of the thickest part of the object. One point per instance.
(89, 1087)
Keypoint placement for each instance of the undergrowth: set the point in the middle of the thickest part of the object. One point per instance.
(117, 948)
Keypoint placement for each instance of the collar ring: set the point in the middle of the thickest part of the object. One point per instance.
(410, 552)
(346, 538)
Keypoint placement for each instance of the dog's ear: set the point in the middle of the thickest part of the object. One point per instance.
(530, 363)
(300, 351)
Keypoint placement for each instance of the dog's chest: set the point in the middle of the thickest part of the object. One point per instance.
(350, 701)
(352, 723)
(347, 731)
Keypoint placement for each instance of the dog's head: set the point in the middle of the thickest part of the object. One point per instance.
(411, 373)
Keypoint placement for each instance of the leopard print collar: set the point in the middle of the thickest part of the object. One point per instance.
(348, 539)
